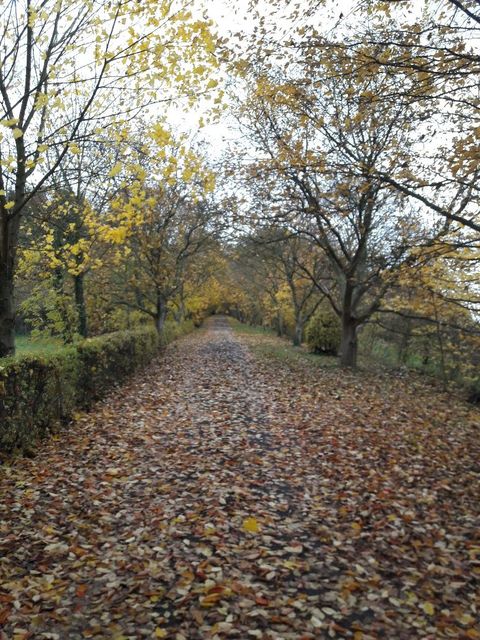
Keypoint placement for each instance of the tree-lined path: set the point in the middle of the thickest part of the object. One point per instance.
(221, 495)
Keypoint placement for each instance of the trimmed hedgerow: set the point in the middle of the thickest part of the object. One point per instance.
(173, 330)
(39, 392)
(36, 393)
(107, 360)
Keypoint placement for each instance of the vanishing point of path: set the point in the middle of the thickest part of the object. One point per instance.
(223, 495)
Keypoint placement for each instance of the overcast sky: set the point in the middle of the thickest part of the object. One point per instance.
(233, 17)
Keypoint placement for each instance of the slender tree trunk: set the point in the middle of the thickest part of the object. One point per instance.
(280, 329)
(348, 345)
(8, 242)
(404, 343)
(82, 326)
(181, 306)
(181, 311)
(161, 314)
(298, 335)
(62, 307)
(441, 347)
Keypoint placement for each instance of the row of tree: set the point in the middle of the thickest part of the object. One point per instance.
(100, 254)
(366, 150)
(353, 186)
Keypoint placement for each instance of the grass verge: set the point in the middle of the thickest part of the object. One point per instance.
(265, 343)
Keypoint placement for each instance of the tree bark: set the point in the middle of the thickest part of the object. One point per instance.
(404, 343)
(298, 335)
(82, 322)
(348, 344)
(8, 243)
(280, 329)
(67, 331)
(161, 314)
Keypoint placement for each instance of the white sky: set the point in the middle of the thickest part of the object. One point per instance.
(232, 16)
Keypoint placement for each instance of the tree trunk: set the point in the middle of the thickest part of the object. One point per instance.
(82, 326)
(298, 335)
(62, 306)
(8, 242)
(280, 329)
(161, 314)
(182, 314)
(404, 343)
(348, 344)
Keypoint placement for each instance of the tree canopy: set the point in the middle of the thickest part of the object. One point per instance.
(346, 185)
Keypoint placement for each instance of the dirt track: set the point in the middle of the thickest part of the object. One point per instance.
(219, 496)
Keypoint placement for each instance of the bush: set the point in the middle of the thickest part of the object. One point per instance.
(474, 392)
(109, 359)
(39, 392)
(35, 394)
(173, 330)
(323, 333)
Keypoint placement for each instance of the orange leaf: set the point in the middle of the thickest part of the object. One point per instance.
(210, 600)
(4, 615)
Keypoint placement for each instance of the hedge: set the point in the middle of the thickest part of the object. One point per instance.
(39, 392)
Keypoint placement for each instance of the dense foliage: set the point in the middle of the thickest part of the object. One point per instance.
(323, 333)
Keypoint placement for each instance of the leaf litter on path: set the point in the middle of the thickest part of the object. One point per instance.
(219, 495)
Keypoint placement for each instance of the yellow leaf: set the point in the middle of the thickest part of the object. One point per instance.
(9, 123)
(42, 100)
(428, 608)
(115, 170)
(251, 525)
(17, 133)
(160, 633)
(9, 205)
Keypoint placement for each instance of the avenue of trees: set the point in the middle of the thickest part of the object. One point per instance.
(349, 190)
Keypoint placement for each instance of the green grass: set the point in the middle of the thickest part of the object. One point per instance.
(26, 345)
(280, 350)
(249, 330)
(269, 345)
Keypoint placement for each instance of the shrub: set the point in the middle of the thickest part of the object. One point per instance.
(108, 359)
(36, 392)
(173, 330)
(39, 392)
(323, 333)
(474, 392)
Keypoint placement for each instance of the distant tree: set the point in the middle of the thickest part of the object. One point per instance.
(323, 143)
(290, 258)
